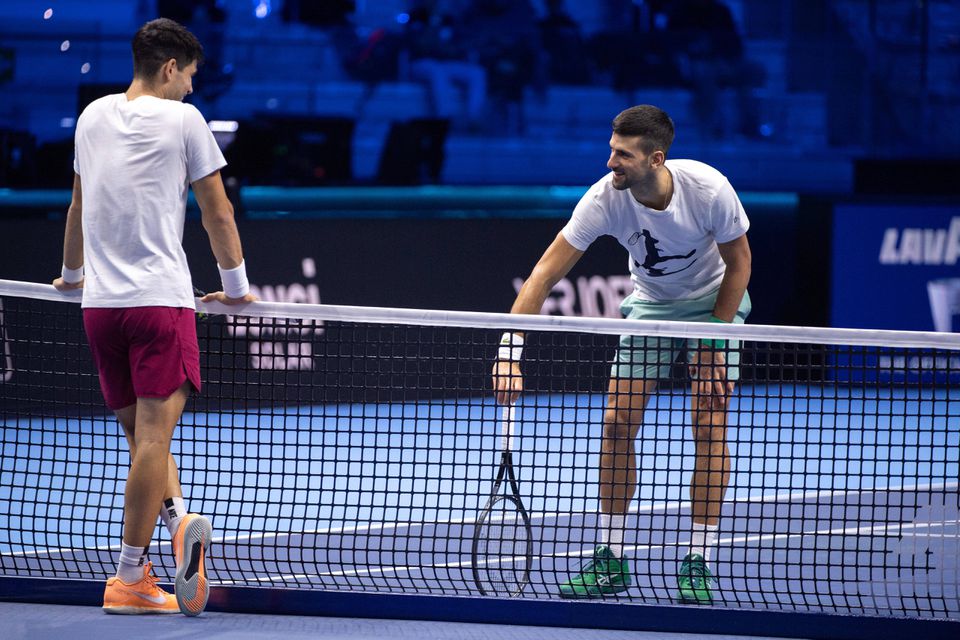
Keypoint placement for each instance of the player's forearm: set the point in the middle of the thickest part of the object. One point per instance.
(73, 239)
(532, 294)
(224, 239)
(555, 263)
(732, 289)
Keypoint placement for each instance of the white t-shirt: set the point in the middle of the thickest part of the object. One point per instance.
(673, 253)
(136, 160)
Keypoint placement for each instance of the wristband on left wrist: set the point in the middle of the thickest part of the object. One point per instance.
(715, 343)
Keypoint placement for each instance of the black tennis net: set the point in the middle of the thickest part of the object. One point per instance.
(354, 449)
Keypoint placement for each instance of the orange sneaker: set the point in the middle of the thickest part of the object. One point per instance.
(190, 549)
(140, 597)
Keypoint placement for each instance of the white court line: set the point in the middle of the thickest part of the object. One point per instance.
(879, 529)
(799, 496)
(882, 529)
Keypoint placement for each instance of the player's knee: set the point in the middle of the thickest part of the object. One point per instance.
(618, 429)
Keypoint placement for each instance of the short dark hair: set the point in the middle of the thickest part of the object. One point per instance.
(650, 123)
(160, 40)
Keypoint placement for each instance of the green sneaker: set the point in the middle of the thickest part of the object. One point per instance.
(694, 580)
(605, 574)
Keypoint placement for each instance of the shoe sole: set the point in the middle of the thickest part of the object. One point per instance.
(692, 599)
(132, 611)
(191, 586)
(609, 591)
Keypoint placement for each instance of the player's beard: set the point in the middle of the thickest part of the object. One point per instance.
(620, 181)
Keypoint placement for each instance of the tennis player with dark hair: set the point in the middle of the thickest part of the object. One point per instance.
(137, 153)
(685, 231)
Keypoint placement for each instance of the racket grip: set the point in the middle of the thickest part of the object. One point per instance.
(507, 419)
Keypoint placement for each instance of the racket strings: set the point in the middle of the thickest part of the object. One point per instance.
(502, 561)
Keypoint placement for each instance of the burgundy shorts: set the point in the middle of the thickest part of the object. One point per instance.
(143, 352)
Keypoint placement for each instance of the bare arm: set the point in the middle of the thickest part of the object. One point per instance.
(709, 370)
(554, 264)
(73, 237)
(736, 256)
(217, 215)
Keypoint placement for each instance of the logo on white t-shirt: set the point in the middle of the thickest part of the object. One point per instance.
(655, 257)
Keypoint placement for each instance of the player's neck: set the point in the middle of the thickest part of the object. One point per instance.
(139, 87)
(658, 193)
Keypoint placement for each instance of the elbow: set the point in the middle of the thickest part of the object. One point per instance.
(540, 282)
(74, 213)
(221, 216)
(738, 271)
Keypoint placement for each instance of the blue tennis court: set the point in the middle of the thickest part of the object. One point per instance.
(834, 503)
(344, 455)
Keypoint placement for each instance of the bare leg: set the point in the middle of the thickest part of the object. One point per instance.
(626, 402)
(128, 420)
(711, 474)
(609, 570)
(149, 477)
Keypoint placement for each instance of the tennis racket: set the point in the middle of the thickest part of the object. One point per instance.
(502, 549)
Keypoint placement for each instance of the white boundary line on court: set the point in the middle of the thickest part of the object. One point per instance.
(608, 326)
(646, 508)
(880, 529)
(800, 496)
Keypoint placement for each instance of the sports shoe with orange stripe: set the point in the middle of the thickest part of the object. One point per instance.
(140, 597)
(190, 546)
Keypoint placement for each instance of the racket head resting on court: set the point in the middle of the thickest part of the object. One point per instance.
(502, 550)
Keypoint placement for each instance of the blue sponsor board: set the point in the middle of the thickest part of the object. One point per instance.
(896, 266)
(883, 259)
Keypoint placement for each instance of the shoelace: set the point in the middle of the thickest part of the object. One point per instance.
(595, 566)
(150, 576)
(696, 571)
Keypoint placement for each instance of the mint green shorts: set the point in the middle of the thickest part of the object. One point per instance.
(652, 357)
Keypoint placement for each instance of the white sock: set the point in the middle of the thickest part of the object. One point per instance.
(172, 512)
(132, 559)
(611, 532)
(703, 540)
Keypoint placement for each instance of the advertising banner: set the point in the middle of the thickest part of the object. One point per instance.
(895, 266)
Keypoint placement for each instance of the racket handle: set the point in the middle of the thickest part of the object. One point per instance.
(507, 418)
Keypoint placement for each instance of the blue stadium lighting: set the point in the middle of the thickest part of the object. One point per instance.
(64, 45)
(85, 67)
(403, 18)
(67, 123)
(262, 9)
(48, 14)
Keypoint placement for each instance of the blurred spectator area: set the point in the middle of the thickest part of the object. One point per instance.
(839, 79)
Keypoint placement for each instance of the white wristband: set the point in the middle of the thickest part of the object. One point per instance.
(511, 347)
(234, 280)
(71, 276)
